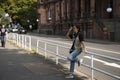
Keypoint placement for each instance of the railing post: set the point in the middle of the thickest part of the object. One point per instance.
(92, 70)
(29, 43)
(14, 38)
(37, 46)
(57, 54)
(25, 42)
(45, 50)
(22, 41)
(17, 39)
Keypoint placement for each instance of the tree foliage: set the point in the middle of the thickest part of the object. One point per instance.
(20, 11)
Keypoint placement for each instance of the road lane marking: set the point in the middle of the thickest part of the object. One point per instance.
(104, 62)
(104, 50)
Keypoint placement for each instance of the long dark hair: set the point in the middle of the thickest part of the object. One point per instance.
(72, 33)
(78, 27)
(80, 33)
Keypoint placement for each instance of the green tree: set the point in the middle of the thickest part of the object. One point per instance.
(20, 10)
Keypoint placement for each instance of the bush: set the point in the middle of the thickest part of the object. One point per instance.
(33, 51)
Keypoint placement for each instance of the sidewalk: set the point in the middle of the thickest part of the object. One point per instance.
(17, 64)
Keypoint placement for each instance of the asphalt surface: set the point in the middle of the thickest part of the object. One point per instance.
(18, 64)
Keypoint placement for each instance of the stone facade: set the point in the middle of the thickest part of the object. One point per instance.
(56, 16)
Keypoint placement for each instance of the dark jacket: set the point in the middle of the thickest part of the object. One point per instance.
(3, 31)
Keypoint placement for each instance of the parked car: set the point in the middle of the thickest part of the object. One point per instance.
(22, 30)
(14, 30)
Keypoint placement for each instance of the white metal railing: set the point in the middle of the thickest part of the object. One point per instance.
(54, 53)
(25, 42)
(99, 70)
(92, 59)
(22, 41)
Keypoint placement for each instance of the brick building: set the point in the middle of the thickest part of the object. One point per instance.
(99, 19)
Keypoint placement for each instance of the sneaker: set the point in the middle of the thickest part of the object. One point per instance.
(79, 62)
(69, 76)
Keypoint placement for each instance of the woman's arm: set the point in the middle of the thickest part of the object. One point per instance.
(68, 33)
(84, 46)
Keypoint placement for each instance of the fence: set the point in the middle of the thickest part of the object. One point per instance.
(49, 48)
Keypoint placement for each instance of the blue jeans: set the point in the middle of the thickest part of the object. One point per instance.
(3, 40)
(73, 58)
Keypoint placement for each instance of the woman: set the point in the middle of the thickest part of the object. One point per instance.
(77, 47)
(3, 33)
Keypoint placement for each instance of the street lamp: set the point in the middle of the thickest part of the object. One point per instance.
(109, 9)
(49, 18)
(29, 26)
(37, 20)
(28, 20)
(38, 25)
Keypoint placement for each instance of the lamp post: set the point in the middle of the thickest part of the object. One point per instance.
(115, 21)
(109, 9)
(105, 29)
(37, 24)
(28, 22)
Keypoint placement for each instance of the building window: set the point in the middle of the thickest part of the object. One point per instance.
(49, 14)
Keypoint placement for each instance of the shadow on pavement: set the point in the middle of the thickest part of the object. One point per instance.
(17, 64)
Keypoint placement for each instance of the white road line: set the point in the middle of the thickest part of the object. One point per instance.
(104, 62)
(104, 50)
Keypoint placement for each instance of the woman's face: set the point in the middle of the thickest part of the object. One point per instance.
(75, 29)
